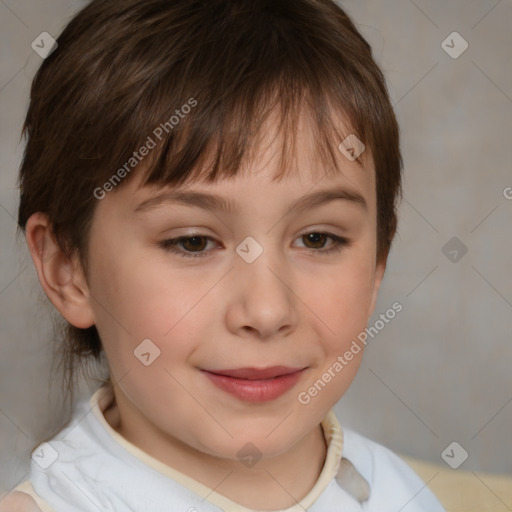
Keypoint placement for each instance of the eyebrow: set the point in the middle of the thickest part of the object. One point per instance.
(221, 204)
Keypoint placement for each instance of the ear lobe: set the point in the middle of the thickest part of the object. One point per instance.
(61, 278)
(378, 276)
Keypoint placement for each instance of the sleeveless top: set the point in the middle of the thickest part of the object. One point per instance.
(89, 467)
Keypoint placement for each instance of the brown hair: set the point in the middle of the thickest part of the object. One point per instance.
(123, 69)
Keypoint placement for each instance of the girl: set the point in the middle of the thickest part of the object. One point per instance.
(208, 195)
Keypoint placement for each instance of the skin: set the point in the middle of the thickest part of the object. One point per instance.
(292, 306)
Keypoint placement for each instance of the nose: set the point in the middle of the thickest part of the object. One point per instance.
(262, 303)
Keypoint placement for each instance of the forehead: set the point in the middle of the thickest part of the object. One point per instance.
(282, 161)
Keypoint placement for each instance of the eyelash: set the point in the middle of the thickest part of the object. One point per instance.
(171, 244)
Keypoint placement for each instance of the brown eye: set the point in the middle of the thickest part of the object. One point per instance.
(187, 246)
(194, 246)
(194, 243)
(317, 239)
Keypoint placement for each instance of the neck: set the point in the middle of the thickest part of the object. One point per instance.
(272, 484)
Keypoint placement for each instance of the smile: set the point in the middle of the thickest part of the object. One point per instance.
(256, 385)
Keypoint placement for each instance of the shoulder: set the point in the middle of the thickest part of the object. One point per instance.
(24, 498)
(18, 501)
(394, 485)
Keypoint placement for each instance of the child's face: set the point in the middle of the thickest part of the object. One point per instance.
(293, 306)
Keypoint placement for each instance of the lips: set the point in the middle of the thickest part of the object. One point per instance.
(255, 384)
(255, 373)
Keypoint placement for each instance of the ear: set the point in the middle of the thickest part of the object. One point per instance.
(61, 278)
(377, 280)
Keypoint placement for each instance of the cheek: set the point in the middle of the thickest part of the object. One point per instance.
(142, 295)
(136, 300)
(341, 315)
(341, 297)
(341, 306)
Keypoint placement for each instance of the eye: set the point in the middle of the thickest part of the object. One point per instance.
(194, 245)
(317, 238)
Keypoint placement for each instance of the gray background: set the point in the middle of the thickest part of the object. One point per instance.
(441, 370)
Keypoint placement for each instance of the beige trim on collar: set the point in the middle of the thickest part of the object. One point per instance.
(333, 434)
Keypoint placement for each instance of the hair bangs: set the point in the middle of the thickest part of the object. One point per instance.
(219, 138)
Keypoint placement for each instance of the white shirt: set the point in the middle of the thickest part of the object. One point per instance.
(89, 467)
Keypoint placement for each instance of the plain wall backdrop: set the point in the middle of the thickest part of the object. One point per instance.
(440, 370)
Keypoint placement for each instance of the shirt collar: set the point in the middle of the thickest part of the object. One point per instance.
(333, 435)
